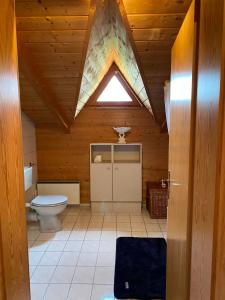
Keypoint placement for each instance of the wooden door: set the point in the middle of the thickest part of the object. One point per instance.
(182, 103)
(101, 182)
(208, 242)
(127, 182)
(14, 281)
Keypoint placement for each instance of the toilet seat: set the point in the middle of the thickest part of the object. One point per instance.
(50, 200)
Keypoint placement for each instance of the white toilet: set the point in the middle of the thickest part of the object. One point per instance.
(47, 208)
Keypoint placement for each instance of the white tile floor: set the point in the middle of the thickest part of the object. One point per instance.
(77, 263)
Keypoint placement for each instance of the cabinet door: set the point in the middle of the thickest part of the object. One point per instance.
(101, 182)
(127, 182)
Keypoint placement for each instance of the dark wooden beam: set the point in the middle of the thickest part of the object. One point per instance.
(40, 85)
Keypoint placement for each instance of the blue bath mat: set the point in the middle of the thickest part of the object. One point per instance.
(140, 270)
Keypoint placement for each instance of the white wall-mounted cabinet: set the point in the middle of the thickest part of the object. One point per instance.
(116, 176)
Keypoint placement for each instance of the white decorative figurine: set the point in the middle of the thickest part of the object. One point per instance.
(121, 131)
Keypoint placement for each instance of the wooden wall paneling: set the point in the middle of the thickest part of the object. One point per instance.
(207, 158)
(13, 233)
(181, 145)
(63, 156)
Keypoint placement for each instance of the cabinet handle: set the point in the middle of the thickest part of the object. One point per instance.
(108, 168)
(116, 168)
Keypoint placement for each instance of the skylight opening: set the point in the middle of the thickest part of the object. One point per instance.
(114, 92)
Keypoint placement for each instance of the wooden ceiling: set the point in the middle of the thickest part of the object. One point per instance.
(154, 25)
(54, 34)
(53, 37)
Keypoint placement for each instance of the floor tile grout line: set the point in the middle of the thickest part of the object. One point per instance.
(99, 240)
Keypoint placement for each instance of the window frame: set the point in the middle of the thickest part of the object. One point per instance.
(114, 71)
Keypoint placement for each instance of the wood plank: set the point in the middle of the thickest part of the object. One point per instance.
(68, 36)
(157, 79)
(154, 45)
(157, 34)
(52, 8)
(55, 47)
(156, 7)
(73, 81)
(148, 58)
(59, 72)
(55, 59)
(47, 23)
(147, 21)
(162, 72)
(14, 272)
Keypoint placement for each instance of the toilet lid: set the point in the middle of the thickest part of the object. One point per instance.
(51, 200)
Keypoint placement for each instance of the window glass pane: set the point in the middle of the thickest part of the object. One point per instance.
(114, 92)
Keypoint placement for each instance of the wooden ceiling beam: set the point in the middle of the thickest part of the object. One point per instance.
(33, 75)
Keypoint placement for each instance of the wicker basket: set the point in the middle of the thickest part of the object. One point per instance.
(156, 202)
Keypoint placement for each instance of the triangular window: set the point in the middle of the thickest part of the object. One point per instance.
(109, 42)
(114, 92)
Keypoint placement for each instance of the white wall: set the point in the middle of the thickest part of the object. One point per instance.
(29, 151)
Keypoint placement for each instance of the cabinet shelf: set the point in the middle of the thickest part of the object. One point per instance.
(127, 153)
(101, 154)
(117, 177)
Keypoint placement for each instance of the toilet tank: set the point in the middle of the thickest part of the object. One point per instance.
(27, 177)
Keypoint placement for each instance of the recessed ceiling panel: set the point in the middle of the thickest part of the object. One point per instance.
(109, 42)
